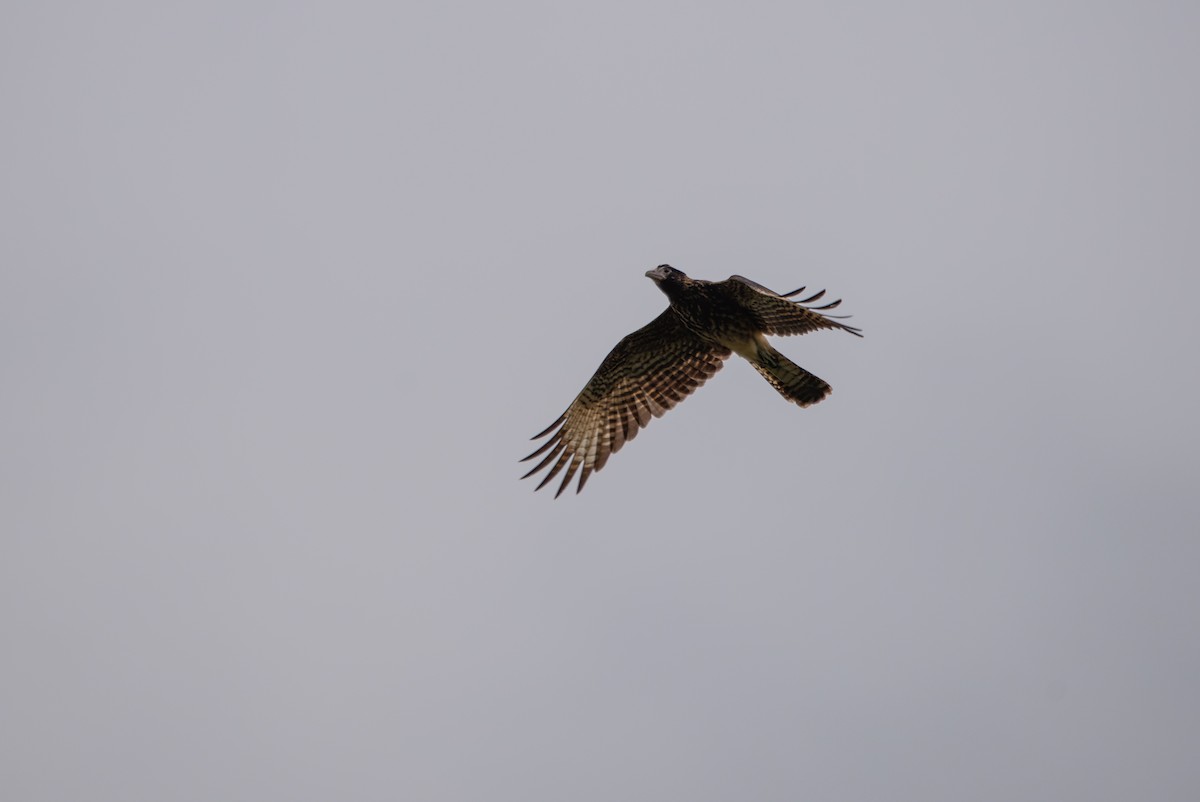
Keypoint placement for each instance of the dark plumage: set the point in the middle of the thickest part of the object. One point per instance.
(660, 364)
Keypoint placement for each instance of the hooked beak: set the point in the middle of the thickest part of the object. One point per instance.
(658, 274)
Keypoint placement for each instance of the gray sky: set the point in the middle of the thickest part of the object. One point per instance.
(285, 288)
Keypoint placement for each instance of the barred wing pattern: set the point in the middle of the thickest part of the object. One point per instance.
(649, 372)
(776, 314)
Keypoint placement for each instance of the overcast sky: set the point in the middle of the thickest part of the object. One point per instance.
(286, 287)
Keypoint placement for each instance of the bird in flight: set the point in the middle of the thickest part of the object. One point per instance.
(660, 364)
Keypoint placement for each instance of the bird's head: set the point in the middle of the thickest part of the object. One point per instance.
(665, 274)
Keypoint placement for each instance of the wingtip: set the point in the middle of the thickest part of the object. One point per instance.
(549, 428)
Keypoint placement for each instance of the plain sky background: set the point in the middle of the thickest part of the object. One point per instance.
(285, 288)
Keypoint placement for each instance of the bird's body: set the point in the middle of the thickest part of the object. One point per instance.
(661, 363)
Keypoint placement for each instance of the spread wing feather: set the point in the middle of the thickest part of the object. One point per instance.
(648, 373)
(776, 314)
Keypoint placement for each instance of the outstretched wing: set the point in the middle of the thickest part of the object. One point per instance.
(648, 372)
(778, 315)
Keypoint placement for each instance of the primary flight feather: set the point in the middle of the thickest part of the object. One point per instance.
(660, 364)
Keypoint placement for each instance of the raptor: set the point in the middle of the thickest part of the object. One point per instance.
(660, 364)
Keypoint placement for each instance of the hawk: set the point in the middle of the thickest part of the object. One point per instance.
(660, 364)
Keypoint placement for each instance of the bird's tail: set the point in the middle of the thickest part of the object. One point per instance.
(792, 381)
